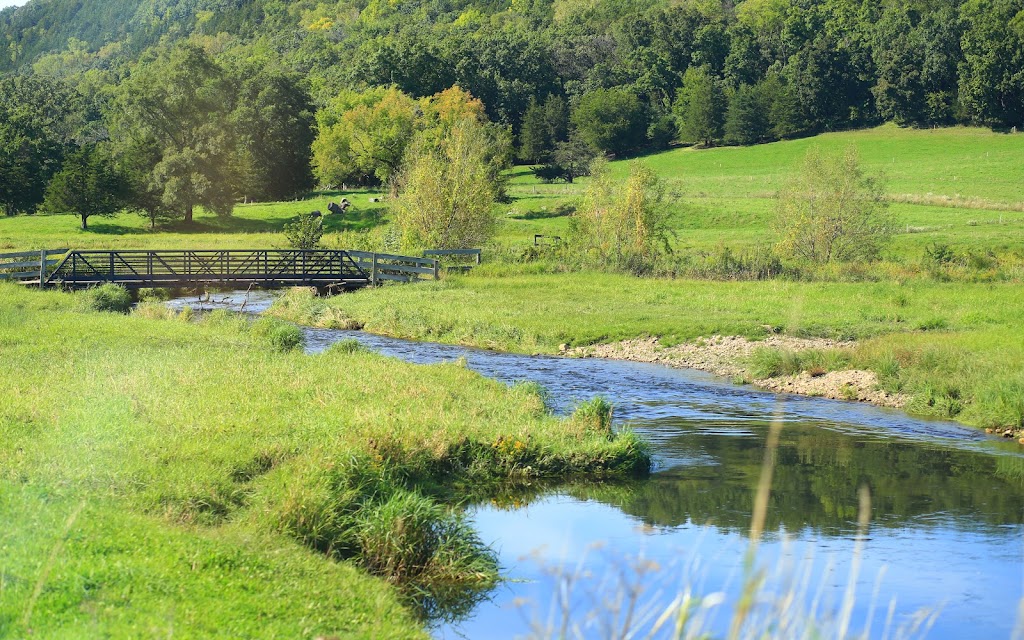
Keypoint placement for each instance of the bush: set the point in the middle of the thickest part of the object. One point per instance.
(623, 227)
(832, 212)
(110, 297)
(305, 232)
(283, 336)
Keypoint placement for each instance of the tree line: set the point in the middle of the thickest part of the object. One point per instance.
(759, 69)
(186, 104)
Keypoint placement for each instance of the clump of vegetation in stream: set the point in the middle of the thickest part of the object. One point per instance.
(351, 455)
(109, 297)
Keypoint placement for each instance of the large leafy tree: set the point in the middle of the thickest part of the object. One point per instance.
(700, 107)
(40, 119)
(88, 184)
(273, 124)
(363, 136)
(612, 120)
(180, 103)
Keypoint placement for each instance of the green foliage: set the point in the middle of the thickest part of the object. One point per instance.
(273, 124)
(446, 189)
(611, 120)
(934, 63)
(833, 211)
(991, 83)
(40, 119)
(545, 125)
(623, 227)
(305, 232)
(700, 107)
(177, 107)
(747, 119)
(363, 136)
(88, 184)
(110, 297)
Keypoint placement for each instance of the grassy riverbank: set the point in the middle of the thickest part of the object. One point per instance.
(956, 349)
(205, 478)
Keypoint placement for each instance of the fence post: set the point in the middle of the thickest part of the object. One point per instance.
(478, 254)
(436, 263)
(42, 268)
(373, 268)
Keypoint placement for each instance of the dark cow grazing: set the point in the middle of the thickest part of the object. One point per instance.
(339, 209)
(316, 214)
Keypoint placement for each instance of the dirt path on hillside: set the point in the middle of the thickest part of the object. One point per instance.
(729, 356)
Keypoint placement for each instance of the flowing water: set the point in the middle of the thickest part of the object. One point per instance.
(945, 537)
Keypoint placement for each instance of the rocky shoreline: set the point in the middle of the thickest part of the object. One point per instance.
(728, 356)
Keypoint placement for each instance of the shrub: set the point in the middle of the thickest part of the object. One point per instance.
(110, 297)
(624, 228)
(305, 232)
(832, 211)
(283, 336)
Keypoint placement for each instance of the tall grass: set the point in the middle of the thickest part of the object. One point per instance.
(221, 433)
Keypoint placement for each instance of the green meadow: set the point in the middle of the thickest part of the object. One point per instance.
(958, 186)
(204, 476)
(161, 474)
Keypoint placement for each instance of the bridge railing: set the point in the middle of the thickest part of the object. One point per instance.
(387, 266)
(156, 268)
(29, 265)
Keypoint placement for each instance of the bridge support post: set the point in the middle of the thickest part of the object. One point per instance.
(373, 269)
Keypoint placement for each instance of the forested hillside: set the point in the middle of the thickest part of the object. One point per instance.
(564, 79)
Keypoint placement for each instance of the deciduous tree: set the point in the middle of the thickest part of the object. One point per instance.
(611, 120)
(181, 103)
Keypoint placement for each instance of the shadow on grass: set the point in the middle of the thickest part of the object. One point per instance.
(109, 229)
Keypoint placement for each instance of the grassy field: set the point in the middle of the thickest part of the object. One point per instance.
(958, 186)
(208, 479)
(252, 226)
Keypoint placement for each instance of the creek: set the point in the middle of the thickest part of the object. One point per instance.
(943, 555)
